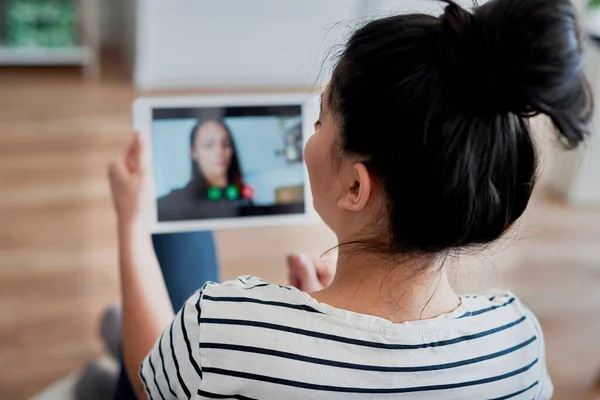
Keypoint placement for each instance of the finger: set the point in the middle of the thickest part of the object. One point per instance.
(292, 260)
(303, 269)
(137, 152)
(117, 169)
(293, 280)
(325, 270)
(127, 156)
(131, 153)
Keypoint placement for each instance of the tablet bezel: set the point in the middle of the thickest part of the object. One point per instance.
(142, 122)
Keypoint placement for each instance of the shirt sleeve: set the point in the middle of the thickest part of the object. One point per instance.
(546, 388)
(172, 368)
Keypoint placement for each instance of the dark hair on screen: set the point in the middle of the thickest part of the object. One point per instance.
(234, 172)
(437, 109)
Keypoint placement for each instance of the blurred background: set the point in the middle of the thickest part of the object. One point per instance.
(69, 71)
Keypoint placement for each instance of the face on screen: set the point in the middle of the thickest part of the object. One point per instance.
(227, 162)
(212, 151)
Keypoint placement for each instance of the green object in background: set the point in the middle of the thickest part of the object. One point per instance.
(594, 4)
(41, 23)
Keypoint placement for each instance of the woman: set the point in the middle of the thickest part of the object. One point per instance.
(422, 149)
(215, 167)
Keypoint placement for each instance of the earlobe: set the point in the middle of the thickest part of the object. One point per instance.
(358, 189)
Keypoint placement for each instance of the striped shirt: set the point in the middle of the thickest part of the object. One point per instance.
(247, 339)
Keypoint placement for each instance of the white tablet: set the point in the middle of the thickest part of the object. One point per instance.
(234, 161)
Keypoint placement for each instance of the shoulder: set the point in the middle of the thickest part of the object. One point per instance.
(174, 205)
(250, 300)
(242, 282)
(512, 324)
(175, 195)
(499, 305)
(500, 315)
(495, 300)
(249, 289)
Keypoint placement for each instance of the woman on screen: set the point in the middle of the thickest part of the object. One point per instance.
(215, 168)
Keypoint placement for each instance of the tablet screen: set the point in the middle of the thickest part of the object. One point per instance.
(227, 162)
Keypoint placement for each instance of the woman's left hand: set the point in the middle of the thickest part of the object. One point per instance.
(127, 175)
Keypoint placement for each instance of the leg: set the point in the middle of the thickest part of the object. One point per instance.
(187, 260)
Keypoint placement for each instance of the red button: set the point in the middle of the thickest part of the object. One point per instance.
(248, 192)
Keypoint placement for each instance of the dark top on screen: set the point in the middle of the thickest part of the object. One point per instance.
(191, 202)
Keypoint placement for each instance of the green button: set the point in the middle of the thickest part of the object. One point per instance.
(214, 193)
(232, 192)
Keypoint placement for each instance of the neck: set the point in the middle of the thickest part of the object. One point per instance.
(399, 289)
(216, 180)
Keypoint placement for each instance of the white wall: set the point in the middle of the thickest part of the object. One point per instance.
(584, 187)
(112, 22)
(382, 7)
(238, 43)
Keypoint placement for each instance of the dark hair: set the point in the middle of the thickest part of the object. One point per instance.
(234, 172)
(436, 108)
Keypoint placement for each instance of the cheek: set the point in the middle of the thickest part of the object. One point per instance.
(200, 154)
(209, 154)
(311, 157)
(318, 163)
(203, 157)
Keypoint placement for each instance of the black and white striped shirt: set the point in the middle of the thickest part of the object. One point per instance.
(246, 339)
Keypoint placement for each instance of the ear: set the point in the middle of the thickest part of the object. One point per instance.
(358, 189)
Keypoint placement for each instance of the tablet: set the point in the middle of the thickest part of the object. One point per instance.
(222, 162)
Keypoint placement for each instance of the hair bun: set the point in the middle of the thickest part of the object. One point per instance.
(519, 56)
(456, 21)
(476, 63)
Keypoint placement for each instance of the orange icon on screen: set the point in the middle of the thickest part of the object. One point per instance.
(247, 192)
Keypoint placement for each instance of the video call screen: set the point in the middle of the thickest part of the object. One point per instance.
(227, 162)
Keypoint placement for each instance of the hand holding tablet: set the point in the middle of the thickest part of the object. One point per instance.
(220, 162)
